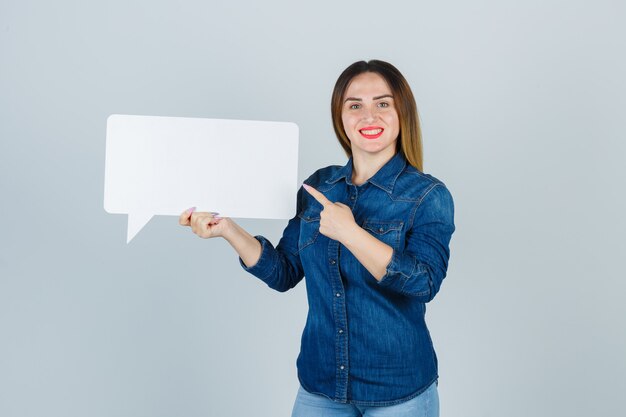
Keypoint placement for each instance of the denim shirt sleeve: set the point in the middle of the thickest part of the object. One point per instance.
(280, 267)
(419, 270)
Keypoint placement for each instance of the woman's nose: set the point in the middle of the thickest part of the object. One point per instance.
(368, 114)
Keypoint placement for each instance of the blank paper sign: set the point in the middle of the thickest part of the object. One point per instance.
(164, 165)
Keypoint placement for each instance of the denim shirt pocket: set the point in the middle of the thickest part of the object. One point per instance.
(309, 227)
(389, 232)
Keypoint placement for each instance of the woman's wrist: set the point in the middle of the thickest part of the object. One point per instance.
(233, 232)
(247, 246)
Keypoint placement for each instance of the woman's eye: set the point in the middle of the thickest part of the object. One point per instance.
(355, 106)
(383, 104)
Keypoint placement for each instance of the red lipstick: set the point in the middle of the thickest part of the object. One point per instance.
(371, 132)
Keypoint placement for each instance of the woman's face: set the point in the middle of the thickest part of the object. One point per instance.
(369, 115)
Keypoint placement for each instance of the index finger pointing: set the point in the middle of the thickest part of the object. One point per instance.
(321, 198)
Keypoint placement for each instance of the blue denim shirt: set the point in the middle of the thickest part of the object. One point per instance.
(365, 341)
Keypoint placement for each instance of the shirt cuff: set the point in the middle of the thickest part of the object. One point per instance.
(266, 263)
(399, 270)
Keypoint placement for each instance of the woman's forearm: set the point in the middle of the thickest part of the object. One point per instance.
(246, 245)
(373, 254)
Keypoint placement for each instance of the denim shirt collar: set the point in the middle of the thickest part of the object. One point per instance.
(385, 177)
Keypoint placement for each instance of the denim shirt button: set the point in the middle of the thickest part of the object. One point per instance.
(380, 230)
(333, 262)
(352, 197)
(342, 367)
(340, 331)
(338, 294)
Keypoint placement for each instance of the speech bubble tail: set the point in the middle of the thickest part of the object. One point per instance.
(136, 222)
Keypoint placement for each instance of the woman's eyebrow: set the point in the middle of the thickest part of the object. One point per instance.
(375, 98)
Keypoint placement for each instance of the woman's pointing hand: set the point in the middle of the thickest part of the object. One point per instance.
(336, 219)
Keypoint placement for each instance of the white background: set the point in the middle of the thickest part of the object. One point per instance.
(522, 107)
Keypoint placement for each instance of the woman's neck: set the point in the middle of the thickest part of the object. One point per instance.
(365, 166)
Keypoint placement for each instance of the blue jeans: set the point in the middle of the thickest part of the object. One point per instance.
(312, 405)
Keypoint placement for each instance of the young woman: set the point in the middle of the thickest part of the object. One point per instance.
(372, 238)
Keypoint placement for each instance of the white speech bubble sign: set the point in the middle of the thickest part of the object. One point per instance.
(163, 165)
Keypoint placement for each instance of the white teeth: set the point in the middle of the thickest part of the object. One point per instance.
(371, 132)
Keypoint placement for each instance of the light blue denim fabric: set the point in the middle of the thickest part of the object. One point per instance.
(311, 405)
(365, 341)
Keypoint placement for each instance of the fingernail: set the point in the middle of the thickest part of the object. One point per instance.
(191, 210)
(214, 213)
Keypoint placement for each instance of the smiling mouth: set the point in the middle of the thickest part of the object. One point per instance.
(371, 133)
